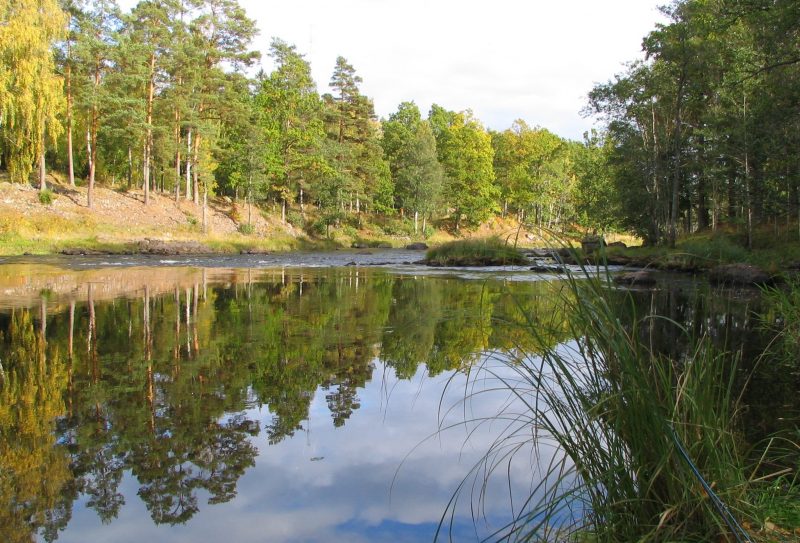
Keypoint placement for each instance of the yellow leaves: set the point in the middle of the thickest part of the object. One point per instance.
(31, 397)
(31, 94)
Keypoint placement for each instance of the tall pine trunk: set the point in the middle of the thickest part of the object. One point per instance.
(676, 179)
(188, 194)
(68, 77)
(94, 125)
(148, 137)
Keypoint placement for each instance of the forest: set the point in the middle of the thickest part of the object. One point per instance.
(699, 134)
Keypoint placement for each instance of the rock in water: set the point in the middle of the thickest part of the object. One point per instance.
(640, 278)
(738, 274)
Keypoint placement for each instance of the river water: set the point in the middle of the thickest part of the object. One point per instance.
(303, 397)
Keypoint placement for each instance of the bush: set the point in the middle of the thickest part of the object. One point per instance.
(716, 249)
(246, 228)
(46, 197)
(317, 228)
(398, 227)
(295, 218)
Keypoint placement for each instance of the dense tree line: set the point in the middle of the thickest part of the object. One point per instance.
(159, 99)
(703, 132)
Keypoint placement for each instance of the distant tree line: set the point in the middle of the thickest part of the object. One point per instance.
(159, 99)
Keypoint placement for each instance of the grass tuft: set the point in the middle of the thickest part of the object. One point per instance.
(46, 197)
(619, 412)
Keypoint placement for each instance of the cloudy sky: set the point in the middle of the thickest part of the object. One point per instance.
(504, 59)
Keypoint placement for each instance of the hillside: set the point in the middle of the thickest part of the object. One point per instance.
(120, 222)
(120, 219)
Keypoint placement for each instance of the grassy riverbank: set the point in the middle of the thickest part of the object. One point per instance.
(771, 251)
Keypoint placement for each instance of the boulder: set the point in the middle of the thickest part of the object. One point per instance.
(162, 247)
(418, 246)
(590, 244)
(544, 268)
(359, 245)
(639, 278)
(738, 274)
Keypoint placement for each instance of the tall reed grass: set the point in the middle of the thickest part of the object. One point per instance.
(619, 412)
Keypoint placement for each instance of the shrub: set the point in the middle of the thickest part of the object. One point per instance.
(295, 218)
(246, 228)
(46, 197)
(715, 249)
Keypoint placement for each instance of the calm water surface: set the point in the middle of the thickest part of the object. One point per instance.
(254, 399)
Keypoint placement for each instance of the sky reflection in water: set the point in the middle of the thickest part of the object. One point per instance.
(179, 377)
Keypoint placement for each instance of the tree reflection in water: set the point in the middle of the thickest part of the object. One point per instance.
(157, 381)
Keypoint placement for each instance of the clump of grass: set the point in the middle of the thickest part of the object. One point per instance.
(475, 252)
(716, 249)
(622, 415)
(246, 228)
(46, 197)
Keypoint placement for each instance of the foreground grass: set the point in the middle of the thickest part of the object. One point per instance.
(475, 252)
(640, 433)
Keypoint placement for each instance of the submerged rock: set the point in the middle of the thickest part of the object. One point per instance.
(79, 251)
(739, 274)
(544, 268)
(640, 278)
(161, 247)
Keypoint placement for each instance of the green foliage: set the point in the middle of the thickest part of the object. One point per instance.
(291, 123)
(702, 130)
(779, 504)
(295, 218)
(248, 229)
(783, 317)
(358, 178)
(419, 178)
(46, 197)
(534, 174)
(464, 149)
(475, 252)
(716, 249)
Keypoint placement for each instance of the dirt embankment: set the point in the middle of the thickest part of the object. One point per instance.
(119, 217)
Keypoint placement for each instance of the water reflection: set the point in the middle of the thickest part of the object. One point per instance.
(163, 388)
(273, 404)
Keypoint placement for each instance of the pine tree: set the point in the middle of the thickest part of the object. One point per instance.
(292, 124)
(98, 27)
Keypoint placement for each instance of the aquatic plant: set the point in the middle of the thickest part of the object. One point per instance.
(648, 443)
